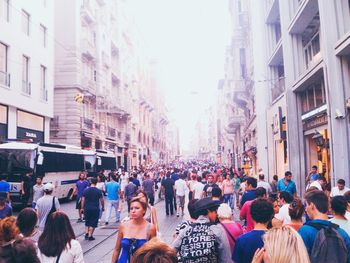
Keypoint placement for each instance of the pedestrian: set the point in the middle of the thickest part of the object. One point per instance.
(283, 218)
(203, 241)
(180, 192)
(5, 188)
(209, 186)
(282, 245)
(134, 233)
(286, 184)
(155, 251)
(232, 229)
(130, 191)
(228, 189)
(168, 186)
(216, 194)
(91, 203)
(26, 222)
(113, 197)
(57, 243)
(46, 205)
(313, 175)
(246, 208)
(236, 187)
(79, 188)
(296, 211)
(262, 183)
(5, 208)
(136, 181)
(335, 248)
(251, 184)
(339, 205)
(193, 217)
(198, 188)
(8, 230)
(148, 188)
(347, 198)
(26, 185)
(340, 189)
(320, 183)
(151, 213)
(273, 184)
(246, 245)
(20, 250)
(38, 190)
(191, 184)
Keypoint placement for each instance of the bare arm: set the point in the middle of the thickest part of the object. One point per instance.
(154, 218)
(117, 247)
(152, 232)
(82, 203)
(74, 192)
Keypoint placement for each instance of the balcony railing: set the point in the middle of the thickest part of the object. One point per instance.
(26, 87)
(87, 123)
(4, 79)
(111, 132)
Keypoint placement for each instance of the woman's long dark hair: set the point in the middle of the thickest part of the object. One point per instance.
(58, 232)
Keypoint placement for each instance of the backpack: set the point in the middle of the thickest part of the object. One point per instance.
(199, 244)
(329, 246)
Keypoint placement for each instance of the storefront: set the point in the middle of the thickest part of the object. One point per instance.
(3, 123)
(30, 126)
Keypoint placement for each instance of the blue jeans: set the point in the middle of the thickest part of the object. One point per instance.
(228, 199)
(115, 204)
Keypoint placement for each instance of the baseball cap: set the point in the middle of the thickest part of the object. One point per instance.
(48, 187)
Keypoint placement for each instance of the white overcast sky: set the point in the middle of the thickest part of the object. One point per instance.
(188, 39)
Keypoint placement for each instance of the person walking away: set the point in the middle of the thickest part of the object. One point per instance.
(227, 189)
(296, 212)
(246, 208)
(168, 186)
(250, 194)
(46, 205)
(191, 185)
(209, 186)
(148, 188)
(203, 241)
(136, 182)
(273, 184)
(113, 198)
(57, 243)
(339, 205)
(193, 217)
(180, 192)
(38, 191)
(247, 244)
(262, 183)
(130, 191)
(134, 233)
(5, 188)
(5, 208)
(92, 201)
(340, 189)
(232, 229)
(80, 186)
(198, 188)
(282, 245)
(283, 218)
(332, 244)
(287, 185)
(26, 222)
(236, 187)
(26, 185)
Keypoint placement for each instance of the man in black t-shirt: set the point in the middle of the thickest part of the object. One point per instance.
(90, 203)
(168, 186)
(209, 187)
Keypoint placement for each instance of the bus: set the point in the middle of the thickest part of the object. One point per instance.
(58, 164)
(106, 160)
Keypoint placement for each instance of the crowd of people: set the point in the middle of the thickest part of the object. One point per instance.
(233, 217)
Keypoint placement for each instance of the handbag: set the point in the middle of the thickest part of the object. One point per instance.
(52, 210)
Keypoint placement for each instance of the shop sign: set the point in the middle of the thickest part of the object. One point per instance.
(37, 136)
(277, 123)
(315, 122)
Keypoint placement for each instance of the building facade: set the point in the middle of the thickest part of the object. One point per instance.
(26, 70)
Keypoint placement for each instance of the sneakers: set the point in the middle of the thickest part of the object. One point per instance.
(79, 220)
(86, 236)
(91, 238)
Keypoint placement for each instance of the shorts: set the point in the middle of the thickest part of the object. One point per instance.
(78, 203)
(91, 217)
(181, 200)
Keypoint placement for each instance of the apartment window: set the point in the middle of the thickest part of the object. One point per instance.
(5, 9)
(43, 83)
(312, 50)
(25, 75)
(242, 59)
(43, 35)
(313, 97)
(25, 22)
(4, 76)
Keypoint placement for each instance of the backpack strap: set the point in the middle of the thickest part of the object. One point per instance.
(53, 203)
(228, 232)
(320, 226)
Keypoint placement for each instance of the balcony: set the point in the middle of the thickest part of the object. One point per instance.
(88, 49)
(305, 13)
(234, 122)
(278, 88)
(26, 87)
(87, 123)
(4, 79)
(273, 13)
(111, 132)
(87, 12)
(44, 94)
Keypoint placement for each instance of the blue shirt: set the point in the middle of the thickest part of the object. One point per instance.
(250, 195)
(81, 186)
(246, 245)
(175, 177)
(290, 187)
(308, 234)
(112, 189)
(7, 211)
(4, 187)
(92, 197)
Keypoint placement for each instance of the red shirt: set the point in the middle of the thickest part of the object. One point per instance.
(235, 229)
(245, 213)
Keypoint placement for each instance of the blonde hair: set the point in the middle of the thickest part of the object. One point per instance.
(284, 245)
